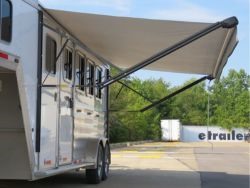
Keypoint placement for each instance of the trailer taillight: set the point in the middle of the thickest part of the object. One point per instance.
(9, 57)
(4, 56)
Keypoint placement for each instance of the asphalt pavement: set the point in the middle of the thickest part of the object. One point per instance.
(161, 165)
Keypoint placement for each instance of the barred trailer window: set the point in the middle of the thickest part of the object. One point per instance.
(80, 72)
(50, 64)
(68, 64)
(98, 81)
(6, 20)
(90, 76)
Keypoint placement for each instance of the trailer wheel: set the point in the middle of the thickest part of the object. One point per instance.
(94, 176)
(106, 163)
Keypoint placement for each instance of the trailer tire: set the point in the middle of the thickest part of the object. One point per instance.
(94, 176)
(106, 162)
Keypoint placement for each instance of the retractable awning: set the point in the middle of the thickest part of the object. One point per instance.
(127, 41)
(134, 43)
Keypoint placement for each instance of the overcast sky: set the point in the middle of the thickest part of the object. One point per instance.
(184, 10)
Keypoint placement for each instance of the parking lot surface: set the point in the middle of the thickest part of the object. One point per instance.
(161, 165)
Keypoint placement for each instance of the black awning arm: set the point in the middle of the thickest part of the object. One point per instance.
(125, 111)
(167, 97)
(175, 93)
(138, 93)
(227, 23)
(127, 86)
(119, 92)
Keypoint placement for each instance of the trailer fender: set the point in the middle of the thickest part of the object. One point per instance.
(92, 149)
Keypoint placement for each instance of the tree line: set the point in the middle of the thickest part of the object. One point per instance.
(224, 103)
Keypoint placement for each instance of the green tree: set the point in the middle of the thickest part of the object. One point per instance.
(136, 125)
(190, 106)
(229, 106)
(230, 100)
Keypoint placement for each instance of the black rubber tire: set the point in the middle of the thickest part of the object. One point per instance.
(107, 161)
(94, 176)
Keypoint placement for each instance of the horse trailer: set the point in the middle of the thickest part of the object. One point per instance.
(54, 80)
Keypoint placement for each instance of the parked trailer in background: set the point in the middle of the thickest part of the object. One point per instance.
(171, 130)
(54, 78)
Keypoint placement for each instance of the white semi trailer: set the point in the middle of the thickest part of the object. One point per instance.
(170, 130)
(54, 78)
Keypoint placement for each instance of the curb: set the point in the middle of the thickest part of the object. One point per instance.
(127, 144)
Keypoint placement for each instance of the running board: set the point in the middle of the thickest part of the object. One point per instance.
(61, 169)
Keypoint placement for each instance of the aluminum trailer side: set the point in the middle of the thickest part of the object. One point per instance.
(52, 116)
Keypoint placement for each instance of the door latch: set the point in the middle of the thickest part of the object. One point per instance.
(69, 101)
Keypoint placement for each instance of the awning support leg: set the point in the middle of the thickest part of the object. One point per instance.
(120, 90)
(138, 93)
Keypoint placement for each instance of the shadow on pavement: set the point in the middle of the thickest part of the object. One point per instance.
(223, 180)
(135, 178)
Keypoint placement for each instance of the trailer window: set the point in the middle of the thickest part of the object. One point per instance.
(98, 81)
(90, 77)
(80, 73)
(50, 55)
(68, 63)
(6, 20)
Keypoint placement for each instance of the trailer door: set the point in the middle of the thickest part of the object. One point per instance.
(49, 102)
(66, 108)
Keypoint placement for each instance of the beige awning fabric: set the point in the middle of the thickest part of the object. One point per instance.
(127, 41)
